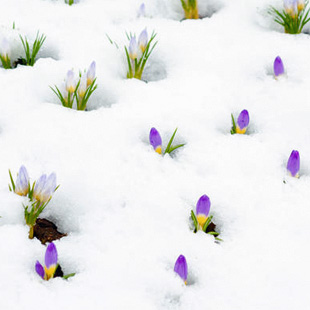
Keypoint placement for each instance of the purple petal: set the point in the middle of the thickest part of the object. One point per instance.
(155, 138)
(293, 164)
(278, 67)
(203, 205)
(180, 267)
(51, 255)
(243, 119)
(39, 269)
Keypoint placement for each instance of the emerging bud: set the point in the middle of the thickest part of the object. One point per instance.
(133, 48)
(5, 49)
(44, 187)
(202, 209)
(180, 268)
(300, 5)
(278, 67)
(22, 182)
(71, 82)
(91, 73)
(293, 164)
(155, 140)
(51, 258)
(141, 11)
(290, 7)
(242, 122)
(143, 40)
(82, 86)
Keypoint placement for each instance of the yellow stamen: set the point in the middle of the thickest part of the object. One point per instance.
(158, 149)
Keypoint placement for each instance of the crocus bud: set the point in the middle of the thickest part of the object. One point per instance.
(71, 82)
(5, 49)
(242, 122)
(82, 86)
(44, 187)
(51, 258)
(180, 268)
(300, 5)
(278, 67)
(143, 40)
(22, 182)
(202, 209)
(91, 73)
(141, 11)
(133, 48)
(155, 140)
(290, 7)
(293, 164)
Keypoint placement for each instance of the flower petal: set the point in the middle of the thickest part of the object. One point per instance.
(51, 255)
(293, 164)
(180, 268)
(40, 269)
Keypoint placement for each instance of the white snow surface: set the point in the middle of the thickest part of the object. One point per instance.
(125, 208)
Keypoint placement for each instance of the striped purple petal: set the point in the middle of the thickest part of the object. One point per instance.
(293, 164)
(180, 267)
(155, 139)
(278, 67)
(243, 119)
(51, 255)
(39, 269)
(203, 205)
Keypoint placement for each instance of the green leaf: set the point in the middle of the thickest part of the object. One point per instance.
(207, 223)
(233, 129)
(193, 216)
(12, 181)
(170, 142)
(68, 276)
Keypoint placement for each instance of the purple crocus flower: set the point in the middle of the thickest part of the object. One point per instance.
(180, 268)
(278, 67)
(44, 187)
(203, 209)
(22, 182)
(293, 164)
(242, 122)
(155, 140)
(51, 258)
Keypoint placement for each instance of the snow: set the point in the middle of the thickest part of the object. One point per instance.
(125, 208)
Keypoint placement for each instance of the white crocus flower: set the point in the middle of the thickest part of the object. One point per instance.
(22, 182)
(70, 82)
(143, 40)
(83, 86)
(91, 73)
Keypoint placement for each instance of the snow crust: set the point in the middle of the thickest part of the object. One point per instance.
(125, 208)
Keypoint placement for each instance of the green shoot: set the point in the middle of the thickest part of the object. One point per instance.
(190, 8)
(30, 56)
(171, 148)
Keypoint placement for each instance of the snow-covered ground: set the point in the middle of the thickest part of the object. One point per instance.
(125, 208)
